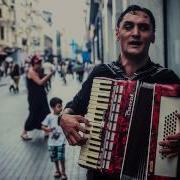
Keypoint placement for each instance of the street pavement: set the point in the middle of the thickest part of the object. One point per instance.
(20, 160)
(3, 81)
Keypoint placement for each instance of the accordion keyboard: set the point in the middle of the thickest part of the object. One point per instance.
(98, 105)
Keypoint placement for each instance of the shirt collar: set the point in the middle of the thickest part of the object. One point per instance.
(143, 69)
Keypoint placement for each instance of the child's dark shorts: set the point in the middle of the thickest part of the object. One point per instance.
(57, 152)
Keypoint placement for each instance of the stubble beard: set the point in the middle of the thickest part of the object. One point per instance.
(136, 58)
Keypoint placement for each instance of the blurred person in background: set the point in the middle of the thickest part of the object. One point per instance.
(70, 68)
(80, 71)
(1, 71)
(47, 68)
(15, 77)
(37, 98)
(63, 71)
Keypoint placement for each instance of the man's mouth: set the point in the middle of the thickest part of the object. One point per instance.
(135, 43)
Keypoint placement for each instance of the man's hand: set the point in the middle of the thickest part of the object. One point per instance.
(71, 127)
(171, 146)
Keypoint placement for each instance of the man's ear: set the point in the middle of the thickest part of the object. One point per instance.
(153, 37)
(117, 33)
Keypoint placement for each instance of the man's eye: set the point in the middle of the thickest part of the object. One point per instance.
(128, 26)
(144, 27)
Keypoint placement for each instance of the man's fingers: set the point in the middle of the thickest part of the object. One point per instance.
(169, 148)
(81, 119)
(174, 137)
(81, 128)
(164, 143)
(83, 141)
(178, 115)
(74, 138)
(69, 141)
(170, 143)
(71, 127)
(172, 155)
(168, 151)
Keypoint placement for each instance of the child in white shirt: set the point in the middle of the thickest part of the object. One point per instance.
(56, 141)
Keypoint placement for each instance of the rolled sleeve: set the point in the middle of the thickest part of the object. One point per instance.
(80, 101)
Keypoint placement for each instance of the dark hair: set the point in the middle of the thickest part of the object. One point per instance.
(35, 59)
(15, 71)
(54, 101)
(16, 68)
(137, 8)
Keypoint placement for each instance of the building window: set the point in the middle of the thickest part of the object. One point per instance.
(24, 42)
(1, 32)
(172, 35)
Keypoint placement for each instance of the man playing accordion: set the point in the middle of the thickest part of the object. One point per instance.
(135, 32)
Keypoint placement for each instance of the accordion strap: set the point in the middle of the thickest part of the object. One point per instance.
(141, 75)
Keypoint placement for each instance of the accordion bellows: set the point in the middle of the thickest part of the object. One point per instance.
(128, 120)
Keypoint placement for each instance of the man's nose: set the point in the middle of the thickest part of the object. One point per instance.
(135, 31)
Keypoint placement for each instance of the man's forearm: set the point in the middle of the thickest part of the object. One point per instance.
(65, 111)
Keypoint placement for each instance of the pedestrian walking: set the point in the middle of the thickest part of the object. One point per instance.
(48, 67)
(37, 97)
(1, 71)
(56, 141)
(80, 71)
(70, 68)
(15, 77)
(63, 71)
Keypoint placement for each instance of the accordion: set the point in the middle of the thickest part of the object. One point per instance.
(128, 120)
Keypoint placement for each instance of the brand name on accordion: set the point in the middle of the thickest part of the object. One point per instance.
(129, 109)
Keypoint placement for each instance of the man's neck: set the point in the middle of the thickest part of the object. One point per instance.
(132, 65)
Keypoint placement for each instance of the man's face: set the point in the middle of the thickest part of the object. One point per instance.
(135, 34)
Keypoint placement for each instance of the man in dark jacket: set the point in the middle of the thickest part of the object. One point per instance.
(135, 32)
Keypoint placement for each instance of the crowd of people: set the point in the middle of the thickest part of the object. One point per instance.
(65, 67)
(37, 74)
(72, 68)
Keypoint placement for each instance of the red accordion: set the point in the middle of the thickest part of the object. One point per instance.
(128, 120)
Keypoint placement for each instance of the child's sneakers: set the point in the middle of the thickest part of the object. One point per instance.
(64, 177)
(57, 174)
